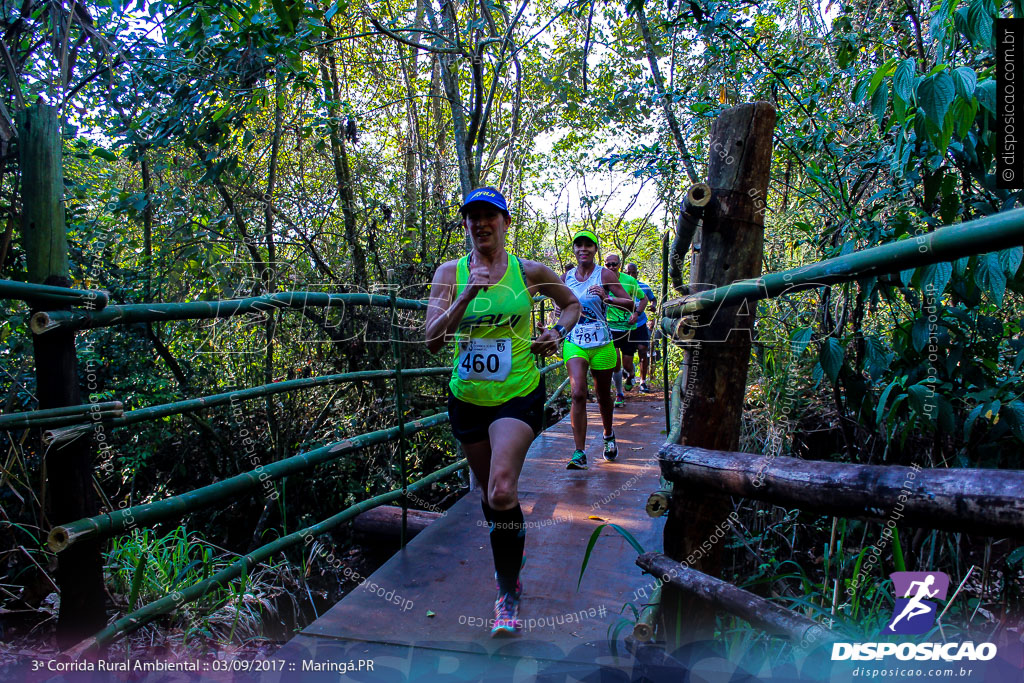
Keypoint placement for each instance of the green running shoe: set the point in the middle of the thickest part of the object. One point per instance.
(611, 451)
(578, 461)
(620, 400)
(627, 383)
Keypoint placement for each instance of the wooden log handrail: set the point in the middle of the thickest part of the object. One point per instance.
(978, 236)
(52, 295)
(246, 563)
(984, 502)
(174, 507)
(762, 613)
(47, 321)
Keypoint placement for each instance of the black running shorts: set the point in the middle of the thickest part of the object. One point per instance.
(622, 341)
(470, 421)
(640, 335)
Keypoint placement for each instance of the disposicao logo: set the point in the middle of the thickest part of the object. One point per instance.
(914, 613)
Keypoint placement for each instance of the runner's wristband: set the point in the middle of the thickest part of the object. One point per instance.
(560, 330)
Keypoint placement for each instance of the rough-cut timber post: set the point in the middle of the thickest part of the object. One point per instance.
(732, 236)
(69, 492)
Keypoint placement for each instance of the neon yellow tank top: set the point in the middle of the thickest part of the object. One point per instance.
(493, 363)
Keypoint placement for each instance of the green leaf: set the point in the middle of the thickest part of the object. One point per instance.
(859, 91)
(934, 95)
(960, 265)
(879, 100)
(903, 80)
(907, 275)
(979, 23)
(876, 356)
(880, 408)
(920, 394)
(104, 154)
(1009, 259)
(965, 80)
(935, 277)
(897, 552)
(831, 358)
(986, 94)
(880, 74)
(988, 274)
(593, 539)
(798, 341)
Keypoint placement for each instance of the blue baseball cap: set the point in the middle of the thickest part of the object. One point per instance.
(485, 194)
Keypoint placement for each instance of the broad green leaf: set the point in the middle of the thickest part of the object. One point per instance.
(907, 275)
(986, 94)
(979, 23)
(988, 274)
(880, 74)
(934, 95)
(965, 81)
(960, 265)
(935, 277)
(903, 80)
(831, 358)
(876, 356)
(921, 397)
(104, 154)
(798, 341)
(879, 100)
(1009, 259)
(859, 91)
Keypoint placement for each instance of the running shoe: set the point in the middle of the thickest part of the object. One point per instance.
(578, 461)
(611, 451)
(506, 613)
(620, 400)
(627, 381)
(644, 388)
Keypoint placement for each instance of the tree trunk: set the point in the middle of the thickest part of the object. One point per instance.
(68, 467)
(731, 248)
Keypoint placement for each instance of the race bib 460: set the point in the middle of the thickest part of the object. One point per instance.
(485, 359)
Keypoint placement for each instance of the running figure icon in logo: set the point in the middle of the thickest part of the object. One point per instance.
(913, 612)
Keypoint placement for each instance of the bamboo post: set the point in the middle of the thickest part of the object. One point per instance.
(396, 349)
(70, 493)
(731, 248)
(644, 628)
(664, 339)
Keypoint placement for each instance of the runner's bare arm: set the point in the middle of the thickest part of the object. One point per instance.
(542, 280)
(443, 314)
(620, 298)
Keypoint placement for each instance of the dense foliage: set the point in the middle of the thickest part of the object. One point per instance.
(224, 149)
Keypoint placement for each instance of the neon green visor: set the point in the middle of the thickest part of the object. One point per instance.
(589, 234)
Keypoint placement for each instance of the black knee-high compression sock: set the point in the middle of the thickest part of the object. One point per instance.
(508, 538)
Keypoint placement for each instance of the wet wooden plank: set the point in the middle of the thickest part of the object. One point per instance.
(447, 569)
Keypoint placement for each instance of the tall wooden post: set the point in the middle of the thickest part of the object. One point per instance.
(68, 467)
(731, 246)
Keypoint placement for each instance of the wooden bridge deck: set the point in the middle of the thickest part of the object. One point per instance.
(447, 569)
